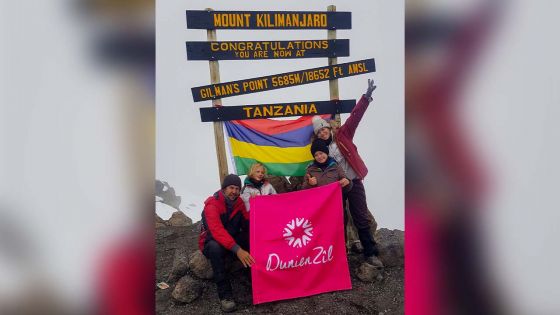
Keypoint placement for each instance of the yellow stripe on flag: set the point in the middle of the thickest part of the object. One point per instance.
(270, 154)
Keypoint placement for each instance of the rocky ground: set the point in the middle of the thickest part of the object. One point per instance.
(191, 290)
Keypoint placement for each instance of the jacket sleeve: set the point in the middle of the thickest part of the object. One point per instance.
(305, 184)
(216, 227)
(341, 173)
(349, 127)
(245, 195)
(272, 191)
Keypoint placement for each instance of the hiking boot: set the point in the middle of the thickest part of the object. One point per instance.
(227, 305)
(374, 261)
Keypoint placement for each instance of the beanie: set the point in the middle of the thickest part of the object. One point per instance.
(319, 123)
(319, 145)
(231, 179)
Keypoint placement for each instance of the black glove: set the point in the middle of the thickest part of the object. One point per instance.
(371, 88)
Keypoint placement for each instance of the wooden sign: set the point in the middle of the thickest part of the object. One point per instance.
(283, 80)
(268, 20)
(275, 110)
(243, 50)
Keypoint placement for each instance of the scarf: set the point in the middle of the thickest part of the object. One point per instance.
(253, 182)
(324, 165)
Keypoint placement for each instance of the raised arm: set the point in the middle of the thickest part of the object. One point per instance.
(351, 124)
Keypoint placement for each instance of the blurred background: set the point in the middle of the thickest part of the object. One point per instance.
(77, 157)
(481, 157)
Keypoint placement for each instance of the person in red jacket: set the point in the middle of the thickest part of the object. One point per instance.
(225, 230)
(345, 153)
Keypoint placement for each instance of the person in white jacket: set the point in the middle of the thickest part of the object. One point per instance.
(256, 184)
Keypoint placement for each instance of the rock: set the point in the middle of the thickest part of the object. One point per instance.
(180, 265)
(200, 265)
(280, 183)
(187, 290)
(159, 222)
(368, 273)
(178, 218)
(391, 247)
(295, 183)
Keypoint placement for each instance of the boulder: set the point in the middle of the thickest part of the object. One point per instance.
(180, 265)
(391, 247)
(178, 218)
(368, 273)
(159, 222)
(280, 183)
(295, 183)
(200, 265)
(187, 290)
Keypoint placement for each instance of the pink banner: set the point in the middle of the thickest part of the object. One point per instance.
(297, 240)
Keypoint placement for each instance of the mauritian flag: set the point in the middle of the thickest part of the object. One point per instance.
(283, 146)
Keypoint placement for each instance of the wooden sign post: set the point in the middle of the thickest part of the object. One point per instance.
(333, 84)
(218, 125)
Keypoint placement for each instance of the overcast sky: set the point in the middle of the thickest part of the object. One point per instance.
(186, 155)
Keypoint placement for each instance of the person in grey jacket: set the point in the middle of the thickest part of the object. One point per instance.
(256, 184)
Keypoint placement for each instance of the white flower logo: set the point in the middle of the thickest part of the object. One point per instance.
(298, 232)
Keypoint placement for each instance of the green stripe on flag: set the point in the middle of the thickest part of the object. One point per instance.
(279, 169)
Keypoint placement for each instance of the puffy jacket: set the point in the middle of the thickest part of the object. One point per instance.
(344, 138)
(331, 174)
(249, 189)
(222, 225)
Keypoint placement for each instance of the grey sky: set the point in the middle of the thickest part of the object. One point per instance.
(186, 155)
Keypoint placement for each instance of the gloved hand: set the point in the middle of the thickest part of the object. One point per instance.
(371, 88)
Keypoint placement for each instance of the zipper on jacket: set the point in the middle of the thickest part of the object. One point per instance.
(347, 151)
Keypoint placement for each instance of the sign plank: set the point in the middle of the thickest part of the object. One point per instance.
(198, 19)
(283, 80)
(275, 110)
(246, 50)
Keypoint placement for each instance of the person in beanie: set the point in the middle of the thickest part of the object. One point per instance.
(256, 184)
(343, 150)
(225, 231)
(324, 170)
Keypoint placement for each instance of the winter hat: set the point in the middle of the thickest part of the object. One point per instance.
(319, 123)
(231, 179)
(319, 145)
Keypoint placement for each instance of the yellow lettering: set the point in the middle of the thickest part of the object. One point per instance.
(312, 109)
(217, 90)
(279, 20)
(317, 20)
(288, 111)
(247, 111)
(217, 20)
(278, 110)
(364, 67)
(323, 20)
(352, 68)
(267, 111)
(257, 112)
(295, 18)
(260, 20)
